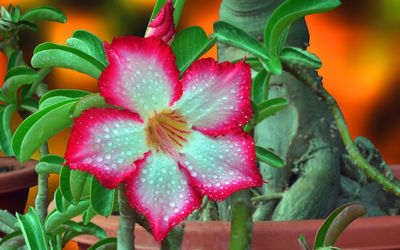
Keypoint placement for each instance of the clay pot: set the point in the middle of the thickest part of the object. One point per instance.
(364, 233)
(15, 184)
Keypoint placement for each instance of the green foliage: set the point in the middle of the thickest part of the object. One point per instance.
(90, 228)
(87, 102)
(6, 113)
(336, 222)
(47, 13)
(101, 198)
(270, 107)
(232, 35)
(54, 55)
(78, 179)
(39, 127)
(49, 164)
(88, 43)
(65, 185)
(260, 86)
(14, 79)
(289, 12)
(268, 156)
(32, 230)
(300, 57)
(189, 45)
(106, 244)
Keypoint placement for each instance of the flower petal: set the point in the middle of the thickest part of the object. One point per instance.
(216, 97)
(160, 191)
(221, 166)
(141, 75)
(106, 142)
(163, 26)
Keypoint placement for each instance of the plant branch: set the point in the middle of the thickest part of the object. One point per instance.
(127, 219)
(354, 153)
(242, 221)
(43, 190)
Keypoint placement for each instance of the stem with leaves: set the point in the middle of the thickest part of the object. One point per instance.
(351, 147)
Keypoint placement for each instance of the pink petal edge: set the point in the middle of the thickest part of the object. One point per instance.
(225, 74)
(111, 84)
(81, 139)
(159, 231)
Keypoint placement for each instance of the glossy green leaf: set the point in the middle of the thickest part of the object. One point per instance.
(39, 127)
(49, 164)
(54, 55)
(4, 13)
(44, 13)
(87, 102)
(293, 55)
(77, 181)
(268, 156)
(58, 200)
(12, 241)
(336, 223)
(2, 97)
(65, 184)
(270, 107)
(303, 243)
(32, 230)
(6, 114)
(101, 198)
(189, 45)
(88, 215)
(56, 218)
(14, 59)
(16, 14)
(52, 101)
(29, 104)
(260, 86)
(91, 229)
(14, 79)
(70, 93)
(106, 244)
(42, 73)
(289, 12)
(232, 35)
(90, 44)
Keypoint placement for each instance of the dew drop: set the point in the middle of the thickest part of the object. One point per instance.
(172, 204)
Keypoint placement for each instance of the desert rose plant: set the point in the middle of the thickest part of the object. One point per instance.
(168, 136)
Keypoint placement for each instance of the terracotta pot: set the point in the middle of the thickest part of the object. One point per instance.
(14, 185)
(377, 233)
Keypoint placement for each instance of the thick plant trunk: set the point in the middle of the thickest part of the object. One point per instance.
(302, 134)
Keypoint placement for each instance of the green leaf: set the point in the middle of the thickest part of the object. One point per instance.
(293, 55)
(54, 55)
(189, 45)
(101, 198)
(12, 240)
(303, 243)
(58, 200)
(32, 230)
(90, 228)
(77, 181)
(270, 107)
(5, 129)
(87, 102)
(8, 219)
(88, 215)
(70, 93)
(49, 164)
(289, 12)
(42, 73)
(336, 223)
(268, 156)
(106, 244)
(260, 86)
(14, 59)
(88, 43)
(56, 218)
(39, 127)
(48, 13)
(16, 14)
(65, 184)
(232, 35)
(14, 79)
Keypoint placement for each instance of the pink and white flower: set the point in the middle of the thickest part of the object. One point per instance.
(175, 140)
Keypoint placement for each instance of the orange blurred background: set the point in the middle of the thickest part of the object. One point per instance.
(357, 43)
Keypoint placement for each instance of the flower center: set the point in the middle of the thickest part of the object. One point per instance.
(167, 131)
